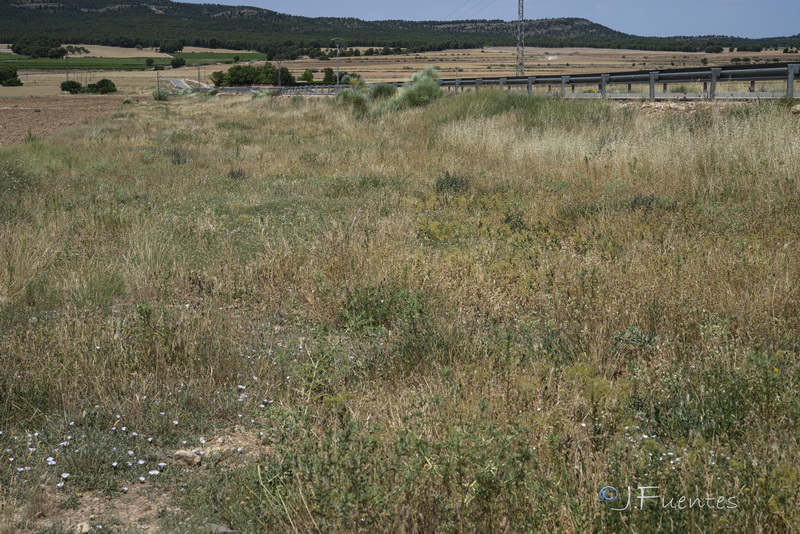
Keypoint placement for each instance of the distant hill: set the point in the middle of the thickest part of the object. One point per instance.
(158, 22)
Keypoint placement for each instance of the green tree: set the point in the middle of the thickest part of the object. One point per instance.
(170, 47)
(149, 62)
(37, 47)
(307, 76)
(71, 86)
(102, 87)
(177, 62)
(244, 75)
(287, 78)
(219, 79)
(329, 76)
(8, 76)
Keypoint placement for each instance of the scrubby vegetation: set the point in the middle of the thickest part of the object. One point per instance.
(470, 316)
(421, 90)
(102, 87)
(9, 77)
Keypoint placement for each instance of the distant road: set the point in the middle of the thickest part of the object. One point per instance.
(179, 84)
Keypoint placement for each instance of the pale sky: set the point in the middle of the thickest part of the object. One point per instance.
(738, 18)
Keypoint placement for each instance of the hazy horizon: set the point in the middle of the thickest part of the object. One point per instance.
(735, 18)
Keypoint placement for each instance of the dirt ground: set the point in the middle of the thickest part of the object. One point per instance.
(43, 116)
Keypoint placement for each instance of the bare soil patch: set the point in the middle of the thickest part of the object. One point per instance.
(43, 116)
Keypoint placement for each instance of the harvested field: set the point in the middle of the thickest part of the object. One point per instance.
(44, 116)
(118, 52)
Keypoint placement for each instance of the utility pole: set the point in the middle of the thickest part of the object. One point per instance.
(521, 39)
(279, 76)
(337, 40)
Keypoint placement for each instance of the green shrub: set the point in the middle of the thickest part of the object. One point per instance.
(12, 82)
(102, 87)
(72, 87)
(422, 90)
(161, 94)
(382, 90)
(8, 76)
(356, 99)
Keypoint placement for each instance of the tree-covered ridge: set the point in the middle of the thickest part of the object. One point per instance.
(160, 22)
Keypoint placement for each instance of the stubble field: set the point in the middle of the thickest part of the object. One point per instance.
(470, 316)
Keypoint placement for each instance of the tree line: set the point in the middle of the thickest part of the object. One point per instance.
(281, 36)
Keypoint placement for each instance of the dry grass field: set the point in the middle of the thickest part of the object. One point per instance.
(468, 316)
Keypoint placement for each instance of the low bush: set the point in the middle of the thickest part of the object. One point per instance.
(8, 76)
(356, 99)
(102, 87)
(72, 87)
(161, 95)
(422, 90)
(381, 91)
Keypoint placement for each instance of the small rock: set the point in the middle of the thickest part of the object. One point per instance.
(218, 529)
(187, 458)
(796, 109)
(82, 528)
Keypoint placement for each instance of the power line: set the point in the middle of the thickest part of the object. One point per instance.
(473, 12)
(459, 8)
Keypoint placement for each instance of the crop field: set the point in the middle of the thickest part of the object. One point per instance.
(79, 62)
(209, 58)
(103, 63)
(468, 316)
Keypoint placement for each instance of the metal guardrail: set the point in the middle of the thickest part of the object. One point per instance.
(710, 77)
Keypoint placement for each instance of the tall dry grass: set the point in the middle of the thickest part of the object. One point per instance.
(470, 315)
